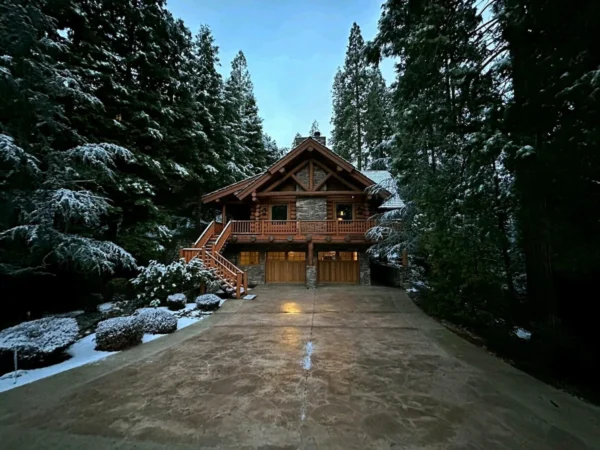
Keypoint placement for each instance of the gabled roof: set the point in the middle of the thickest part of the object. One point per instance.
(245, 187)
(227, 190)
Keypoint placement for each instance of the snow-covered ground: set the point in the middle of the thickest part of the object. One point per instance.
(83, 352)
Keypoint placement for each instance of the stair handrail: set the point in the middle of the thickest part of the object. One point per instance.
(208, 232)
(220, 265)
(227, 263)
(220, 242)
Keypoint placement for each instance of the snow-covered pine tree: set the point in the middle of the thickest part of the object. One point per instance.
(272, 150)
(237, 86)
(448, 155)
(378, 129)
(35, 86)
(243, 122)
(61, 219)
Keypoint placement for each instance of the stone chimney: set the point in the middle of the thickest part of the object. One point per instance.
(317, 137)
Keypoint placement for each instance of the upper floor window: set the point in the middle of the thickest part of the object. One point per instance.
(343, 211)
(279, 212)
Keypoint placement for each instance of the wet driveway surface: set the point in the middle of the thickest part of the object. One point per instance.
(332, 368)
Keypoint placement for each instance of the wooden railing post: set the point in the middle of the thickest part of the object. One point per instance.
(238, 285)
(245, 283)
(405, 258)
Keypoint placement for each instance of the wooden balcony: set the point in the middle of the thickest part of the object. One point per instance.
(262, 231)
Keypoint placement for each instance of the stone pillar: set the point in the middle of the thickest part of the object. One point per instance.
(311, 277)
(364, 268)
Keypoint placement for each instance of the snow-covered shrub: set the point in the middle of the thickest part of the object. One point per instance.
(158, 281)
(39, 342)
(208, 302)
(154, 304)
(176, 301)
(156, 321)
(118, 333)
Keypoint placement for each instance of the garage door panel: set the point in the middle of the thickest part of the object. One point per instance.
(284, 271)
(338, 271)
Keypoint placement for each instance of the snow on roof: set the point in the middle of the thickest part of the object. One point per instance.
(385, 180)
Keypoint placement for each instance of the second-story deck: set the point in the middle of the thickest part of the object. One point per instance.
(264, 231)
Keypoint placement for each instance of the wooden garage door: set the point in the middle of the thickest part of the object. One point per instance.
(338, 267)
(285, 267)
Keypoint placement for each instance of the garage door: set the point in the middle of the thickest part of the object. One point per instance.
(338, 267)
(285, 267)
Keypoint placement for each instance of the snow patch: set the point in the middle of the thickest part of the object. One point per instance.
(307, 362)
(105, 307)
(81, 352)
(523, 333)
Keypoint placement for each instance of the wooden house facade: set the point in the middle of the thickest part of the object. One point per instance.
(301, 221)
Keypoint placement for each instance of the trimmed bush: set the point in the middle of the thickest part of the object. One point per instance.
(176, 302)
(118, 333)
(156, 321)
(208, 302)
(39, 342)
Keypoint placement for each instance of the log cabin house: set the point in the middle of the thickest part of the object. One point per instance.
(301, 221)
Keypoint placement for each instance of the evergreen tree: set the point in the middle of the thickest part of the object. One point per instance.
(448, 155)
(298, 135)
(314, 128)
(361, 104)
(244, 125)
(350, 101)
(378, 129)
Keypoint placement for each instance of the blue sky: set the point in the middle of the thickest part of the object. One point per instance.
(293, 49)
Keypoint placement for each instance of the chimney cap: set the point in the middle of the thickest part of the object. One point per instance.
(317, 134)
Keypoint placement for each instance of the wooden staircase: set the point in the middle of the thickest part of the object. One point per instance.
(208, 248)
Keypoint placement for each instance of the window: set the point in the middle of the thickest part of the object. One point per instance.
(296, 256)
(343, 211)
(348, 256)
(279, 212)
(249, 258)
(278, 256)
(327, 256)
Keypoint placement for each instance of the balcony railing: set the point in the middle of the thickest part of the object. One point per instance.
(287, 227)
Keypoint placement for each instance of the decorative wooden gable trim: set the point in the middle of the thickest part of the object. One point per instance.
(308, 145)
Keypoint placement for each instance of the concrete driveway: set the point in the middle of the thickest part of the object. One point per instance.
(333, 368)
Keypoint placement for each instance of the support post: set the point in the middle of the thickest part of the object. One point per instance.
(405, 258)
(311, 247)
(238, 285)
(224, 215)
(202, 289)
(245, 283)
(180, 253)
